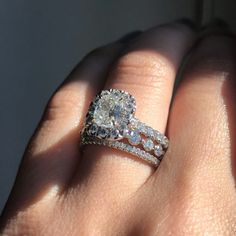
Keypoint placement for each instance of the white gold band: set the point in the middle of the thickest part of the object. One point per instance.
(123, 147)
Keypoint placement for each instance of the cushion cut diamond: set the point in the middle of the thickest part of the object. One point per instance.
(113, 110)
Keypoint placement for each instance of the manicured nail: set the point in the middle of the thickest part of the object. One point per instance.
(130, 36)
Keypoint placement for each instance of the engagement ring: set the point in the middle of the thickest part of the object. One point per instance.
(110, 121)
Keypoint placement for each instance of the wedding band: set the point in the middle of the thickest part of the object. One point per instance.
(110, 121)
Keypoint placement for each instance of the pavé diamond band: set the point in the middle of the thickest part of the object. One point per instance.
(110, 121)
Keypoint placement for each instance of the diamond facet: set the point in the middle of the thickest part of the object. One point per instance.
(158, 136)
(150, 132)
(148, 144)
(134, 137)
(165, 142)
(93, 129)
(158, 150)
(102, 133)
(114, 134)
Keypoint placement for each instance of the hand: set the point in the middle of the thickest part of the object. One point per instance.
(102, 191)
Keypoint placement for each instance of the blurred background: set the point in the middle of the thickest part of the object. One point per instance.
(41, 41)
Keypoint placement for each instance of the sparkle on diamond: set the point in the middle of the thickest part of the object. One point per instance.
(148, 145)
(113, 110)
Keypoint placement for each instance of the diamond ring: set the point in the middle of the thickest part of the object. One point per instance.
(110, 121)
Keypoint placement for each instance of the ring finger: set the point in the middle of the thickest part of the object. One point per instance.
(147, 70)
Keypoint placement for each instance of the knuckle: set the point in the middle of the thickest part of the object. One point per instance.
(63, 103)
(136, 65)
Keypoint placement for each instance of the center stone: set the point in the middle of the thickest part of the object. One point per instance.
(113, 110)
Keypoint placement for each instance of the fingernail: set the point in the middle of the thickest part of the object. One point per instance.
(186, 21)
(130, 36)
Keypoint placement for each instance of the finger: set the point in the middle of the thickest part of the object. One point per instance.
(202, 133)
(146, 70)
(53, 152)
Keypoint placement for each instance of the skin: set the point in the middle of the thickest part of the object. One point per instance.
(61, 190)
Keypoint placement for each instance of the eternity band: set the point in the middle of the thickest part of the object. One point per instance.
(110, 122)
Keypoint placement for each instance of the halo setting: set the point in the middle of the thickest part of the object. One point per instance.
(112, 111)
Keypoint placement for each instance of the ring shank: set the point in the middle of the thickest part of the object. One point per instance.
(123, 147)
